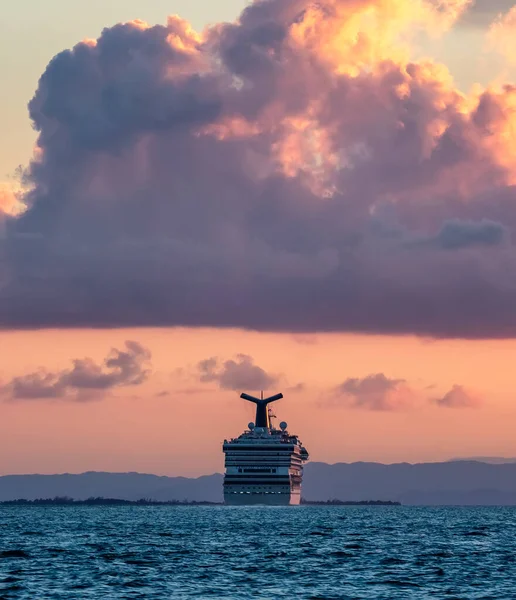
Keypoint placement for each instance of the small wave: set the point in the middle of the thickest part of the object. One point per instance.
(109, 556)
(12, 588)
(400, 583)
(249, 569)
(56, 550)
(14, 554)
(437, 554)
(392, 561)
(341, 554)
(140, 562)
(135, 583)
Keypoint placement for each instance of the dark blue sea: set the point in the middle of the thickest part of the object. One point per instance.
(257, 552)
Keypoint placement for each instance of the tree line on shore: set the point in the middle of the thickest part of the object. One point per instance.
(101, 501)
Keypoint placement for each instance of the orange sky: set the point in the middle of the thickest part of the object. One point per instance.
(172, 422)
(181, 433)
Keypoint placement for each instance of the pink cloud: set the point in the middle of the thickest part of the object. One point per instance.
(86, 380)
(292, 171)
(459, 397)
(374, 392)
(240, 374)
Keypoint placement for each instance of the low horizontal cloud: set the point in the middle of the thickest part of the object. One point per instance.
(305, 339)
(453, 235)
(240, 374)
(375, 392)
(297, 388)
(456, 234)
(86, 379)
(459, 397)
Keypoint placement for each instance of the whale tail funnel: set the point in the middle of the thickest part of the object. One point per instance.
(262, 414)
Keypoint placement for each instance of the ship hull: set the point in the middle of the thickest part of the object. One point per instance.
(287, 499)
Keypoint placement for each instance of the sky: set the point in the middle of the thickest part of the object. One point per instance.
(316, 199)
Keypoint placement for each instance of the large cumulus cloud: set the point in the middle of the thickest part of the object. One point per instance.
(271, 173)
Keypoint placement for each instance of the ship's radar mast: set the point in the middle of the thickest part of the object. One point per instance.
(262, 412)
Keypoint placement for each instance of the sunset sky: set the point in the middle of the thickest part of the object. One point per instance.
(312, 198)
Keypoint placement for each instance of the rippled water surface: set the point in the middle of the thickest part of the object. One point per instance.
(257, 552)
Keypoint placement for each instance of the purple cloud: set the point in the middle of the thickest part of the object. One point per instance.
(235, 179)
(240, 374)
(373, 392)
(458, 397)
(482, 13)
(86, 379)
(456, 234)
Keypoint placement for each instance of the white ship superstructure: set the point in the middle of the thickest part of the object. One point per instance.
(264, 465)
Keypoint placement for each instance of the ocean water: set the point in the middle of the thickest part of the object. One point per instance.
(257, 552)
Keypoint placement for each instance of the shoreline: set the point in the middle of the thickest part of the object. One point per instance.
(64, 501)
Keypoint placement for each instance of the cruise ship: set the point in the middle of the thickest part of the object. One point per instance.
(264, 465)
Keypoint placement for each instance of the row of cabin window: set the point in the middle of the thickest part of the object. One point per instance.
(257, 470)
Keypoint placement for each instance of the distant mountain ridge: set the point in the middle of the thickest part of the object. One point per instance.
(125, 486)
(493, 460)
(449, 483)
(457, 482)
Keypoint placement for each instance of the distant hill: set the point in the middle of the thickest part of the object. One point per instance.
(459, 482)
(493, 460)
(125, 486)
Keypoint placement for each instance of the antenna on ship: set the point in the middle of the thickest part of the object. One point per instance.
(272, 415)
(262, 412)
